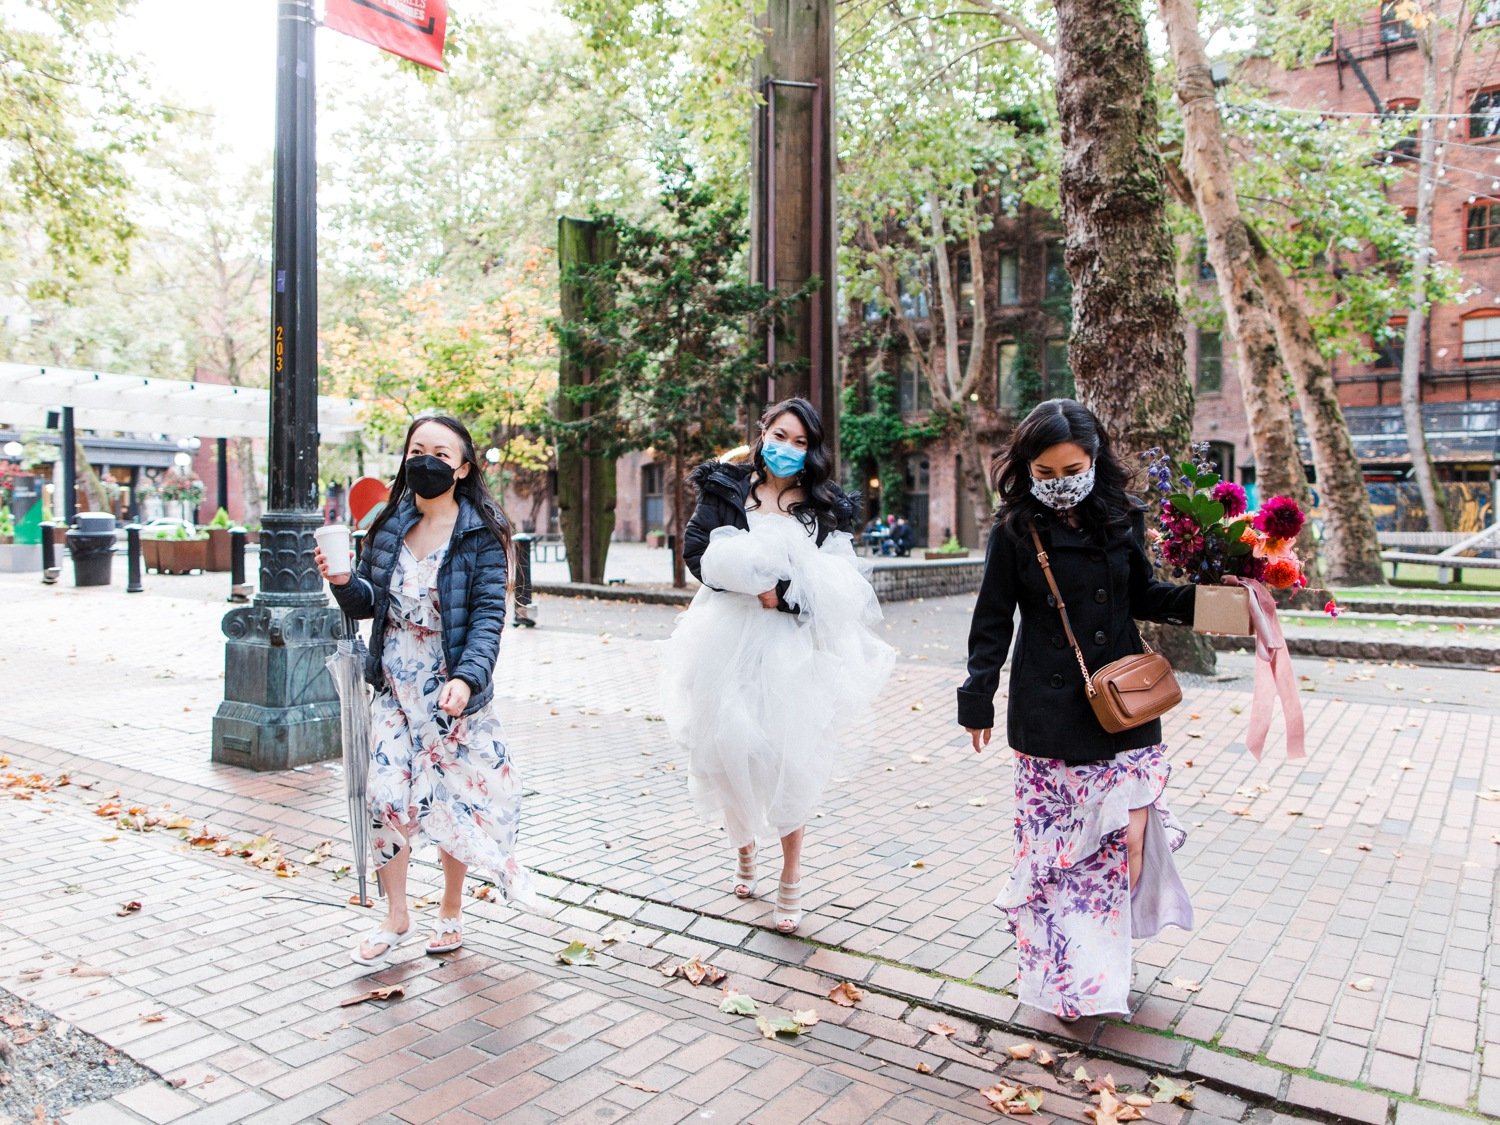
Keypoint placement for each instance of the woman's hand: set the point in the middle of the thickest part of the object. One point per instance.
(980, 738)
(769, 600)
(454, 698)
(333, 579)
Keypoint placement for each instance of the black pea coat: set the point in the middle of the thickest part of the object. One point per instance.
(723, 491)
(471, 586)
(1106, 588)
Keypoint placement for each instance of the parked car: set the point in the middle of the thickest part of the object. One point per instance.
(166, 524)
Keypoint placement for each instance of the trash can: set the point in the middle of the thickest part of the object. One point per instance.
(91, 542)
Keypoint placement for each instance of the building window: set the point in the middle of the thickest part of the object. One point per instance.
(1059, 284)
(1482, 225)
(1007, 359)
(1482, 338)
(1407, 144)
(965, 272)
(1484, 114)
(653, 498)
(1486, 12)
(1390, 344)
(1059, 374)
(914, 293)
(916, 391)
(1010, 277)
(1394, 29)
(1210, 373)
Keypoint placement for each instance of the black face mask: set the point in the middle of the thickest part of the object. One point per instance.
(429, 477)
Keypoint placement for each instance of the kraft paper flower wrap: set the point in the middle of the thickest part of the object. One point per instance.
(1235, 557)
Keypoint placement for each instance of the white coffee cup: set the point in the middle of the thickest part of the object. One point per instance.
(337, 547)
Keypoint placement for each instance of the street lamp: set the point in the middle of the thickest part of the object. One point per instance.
(183, 460)
(492, 455)
(14, 449)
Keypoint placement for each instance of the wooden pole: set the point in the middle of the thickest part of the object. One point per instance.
(792, 197)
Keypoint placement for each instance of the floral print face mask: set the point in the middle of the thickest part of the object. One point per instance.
(1062, 493)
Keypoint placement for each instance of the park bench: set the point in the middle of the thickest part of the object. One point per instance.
(1449, 557)
(549, 548)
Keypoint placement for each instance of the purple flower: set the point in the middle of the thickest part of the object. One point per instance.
(1279, 518)
(1232, 496)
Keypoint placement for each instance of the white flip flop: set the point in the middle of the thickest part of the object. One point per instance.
(441, 926)
(387, 938)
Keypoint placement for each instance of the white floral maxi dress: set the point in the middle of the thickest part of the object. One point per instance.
(439, 779)
(1069, 900)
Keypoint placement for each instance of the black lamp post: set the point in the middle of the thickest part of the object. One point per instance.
(280, 708)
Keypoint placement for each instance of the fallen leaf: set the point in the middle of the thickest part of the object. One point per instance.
(777, 1025)
(695, 972)
(577, 953)
(320, 853)
(153, 1017)
(1187, 985)
(108, 839)
(943, 1029)
(1141, 1101)
(978, 802)
(738, 1004)
(1081, 1075)
(918, 864)
(88, 971)
(1366, 848)
(179, 1083)
(1044, 1057)
(845, 995)
(1364, 984)
(617, 931)
(483, 891)
(127, 908)
(389, 992)
(1021, 1050)
(922, 1068)
(807, 1017)
(928, 804)
(920, 759)
(1168, 1090)
(634, 1085)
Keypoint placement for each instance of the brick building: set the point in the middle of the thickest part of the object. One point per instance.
(1374, 66)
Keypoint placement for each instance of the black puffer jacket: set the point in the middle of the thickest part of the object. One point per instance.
(1106, 589)
(471, 595)
(723, 490)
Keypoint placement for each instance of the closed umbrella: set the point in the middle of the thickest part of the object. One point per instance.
(346, 666)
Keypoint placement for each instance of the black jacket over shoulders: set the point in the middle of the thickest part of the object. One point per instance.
(471, 586)
(723, 491)
(1106, 588)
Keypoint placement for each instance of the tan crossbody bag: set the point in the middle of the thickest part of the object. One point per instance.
(1125, 693)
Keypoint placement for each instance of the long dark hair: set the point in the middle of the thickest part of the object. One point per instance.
(1052, 423)
(823, 502)
(471, 487)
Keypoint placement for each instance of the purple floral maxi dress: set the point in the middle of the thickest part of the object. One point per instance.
(441, 780)
(1069, 900)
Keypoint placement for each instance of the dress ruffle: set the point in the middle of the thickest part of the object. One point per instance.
(757, 696)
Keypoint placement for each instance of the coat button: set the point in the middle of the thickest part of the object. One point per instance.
(1057, 642)
(1057, 681)
(1100, 596)
(1099, 637)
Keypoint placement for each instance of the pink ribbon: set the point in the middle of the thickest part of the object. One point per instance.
(1273, 675)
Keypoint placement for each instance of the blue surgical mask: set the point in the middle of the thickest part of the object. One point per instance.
(782, 459)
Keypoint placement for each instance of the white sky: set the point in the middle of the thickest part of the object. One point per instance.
(222, 59)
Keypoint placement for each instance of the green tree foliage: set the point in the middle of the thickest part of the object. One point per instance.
(70, 111)
(877, 438)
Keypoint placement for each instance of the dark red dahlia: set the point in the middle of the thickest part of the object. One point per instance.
(1279, 518)
(1232, 496)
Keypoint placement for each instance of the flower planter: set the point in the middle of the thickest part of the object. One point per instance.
(931, 555)
(150, 556)
(181, 556)
(1223, 611)
(656, 539)
(218, 549)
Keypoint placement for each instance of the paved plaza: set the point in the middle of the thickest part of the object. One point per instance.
(1342, 966)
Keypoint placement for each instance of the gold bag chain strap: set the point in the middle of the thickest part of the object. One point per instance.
(1062, 608)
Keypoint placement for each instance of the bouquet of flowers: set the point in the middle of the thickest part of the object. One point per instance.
(1206, 533)
(182, 488)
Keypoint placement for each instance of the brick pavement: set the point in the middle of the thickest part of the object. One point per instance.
(1292, 909)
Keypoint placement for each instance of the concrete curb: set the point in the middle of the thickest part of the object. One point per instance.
(1470, 656)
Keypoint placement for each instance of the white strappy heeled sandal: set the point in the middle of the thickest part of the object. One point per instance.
(788, 914)
(744, 874)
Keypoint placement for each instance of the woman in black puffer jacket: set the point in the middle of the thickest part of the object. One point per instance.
(433, 579)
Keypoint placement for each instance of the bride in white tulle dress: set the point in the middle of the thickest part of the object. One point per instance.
(777, 655)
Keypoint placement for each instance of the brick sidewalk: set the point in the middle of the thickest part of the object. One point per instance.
(1292, 909)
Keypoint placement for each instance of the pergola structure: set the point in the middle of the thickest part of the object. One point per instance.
(137, 404)
(104, 401)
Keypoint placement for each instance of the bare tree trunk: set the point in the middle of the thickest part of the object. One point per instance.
(1278, 463)
(1433, 501)
(244, 452)
(1127, 346)
(88, 480)
(1351, 546)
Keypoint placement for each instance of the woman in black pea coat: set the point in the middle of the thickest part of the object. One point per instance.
(1093, 836)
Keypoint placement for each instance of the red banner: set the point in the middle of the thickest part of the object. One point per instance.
(412, 29)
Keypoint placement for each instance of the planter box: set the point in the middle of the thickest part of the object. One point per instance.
(180, 556)
(218, 549)
(150, 555)
(942, 555)
(659, 540)
(1223, 611)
